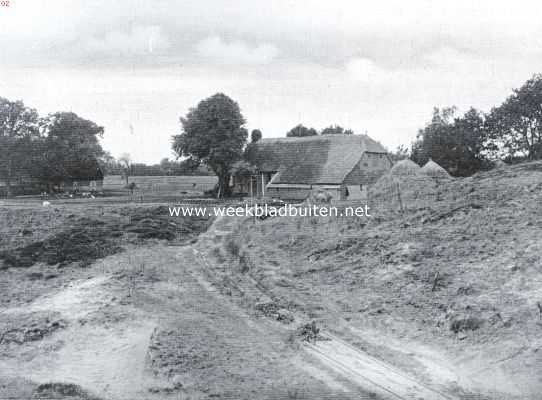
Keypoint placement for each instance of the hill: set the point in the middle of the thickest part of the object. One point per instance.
(449, 286)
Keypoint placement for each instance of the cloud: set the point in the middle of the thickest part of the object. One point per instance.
(214, 48)
(367, 71)
(140, 40)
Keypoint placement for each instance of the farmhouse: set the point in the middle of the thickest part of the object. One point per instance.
(290, 168)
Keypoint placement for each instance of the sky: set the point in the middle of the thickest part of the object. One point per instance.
(377, 67)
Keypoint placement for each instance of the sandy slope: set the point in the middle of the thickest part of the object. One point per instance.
(447, 290)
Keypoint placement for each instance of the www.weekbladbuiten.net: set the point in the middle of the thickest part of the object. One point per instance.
(286, 210)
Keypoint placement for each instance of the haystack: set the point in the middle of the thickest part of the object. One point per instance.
(434, 170)
(405, 167)
(403, 192)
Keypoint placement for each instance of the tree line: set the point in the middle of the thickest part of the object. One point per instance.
(301, 131)
(48, 149)
(468, 143)
(124, 166)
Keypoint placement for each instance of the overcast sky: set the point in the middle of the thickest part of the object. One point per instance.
(373, 66)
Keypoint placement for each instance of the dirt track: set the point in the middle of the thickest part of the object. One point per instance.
(334, 354)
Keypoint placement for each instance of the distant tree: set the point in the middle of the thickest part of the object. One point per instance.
(401, 153)
(126, 163)
(336, 130)
(300, 131)
(109, 164)
(166, 166)
(189, 166)
(213, 132)
(515, 127)
(457, 144)
(132, 186)
(18, 133)
(431, 140)
(469, 138)
(71, 147)
(255, 135)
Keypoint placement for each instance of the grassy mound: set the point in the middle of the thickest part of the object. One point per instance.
(85, 239)
(156, 223)
(460, 270)
(57, 391)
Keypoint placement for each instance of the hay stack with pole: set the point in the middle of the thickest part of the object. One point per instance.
(404, 188)
(405, 167)
(435, 171)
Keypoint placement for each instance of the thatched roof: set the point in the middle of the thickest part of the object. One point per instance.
(405, 167)
(313, 159)
(434, 170)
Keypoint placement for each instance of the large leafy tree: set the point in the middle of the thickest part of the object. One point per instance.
(515, 127)
(456, 143)
(18, 133)
(71, 148)
(300, 131)
(213, 132)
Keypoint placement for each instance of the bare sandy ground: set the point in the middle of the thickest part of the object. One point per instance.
(144, 324)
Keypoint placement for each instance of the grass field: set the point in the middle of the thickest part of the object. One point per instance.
(157, 184)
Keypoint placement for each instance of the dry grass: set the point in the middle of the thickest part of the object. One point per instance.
(86, 239)
(481, 236)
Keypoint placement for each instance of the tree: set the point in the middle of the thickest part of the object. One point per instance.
(213, 132)
(336, 130)
(469, 144)
(18, 131)
(71, 148)
(255, 135)
(401, 153)
(165, 166)
(457, 144)
(515, 127)
(108, 163)
(126, 163)
(300, 131)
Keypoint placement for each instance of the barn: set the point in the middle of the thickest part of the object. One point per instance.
(290, 168)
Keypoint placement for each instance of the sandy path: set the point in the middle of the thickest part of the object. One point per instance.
(335, 354)
(369, 372)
